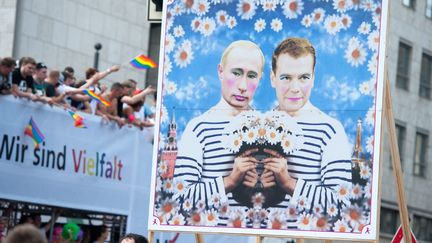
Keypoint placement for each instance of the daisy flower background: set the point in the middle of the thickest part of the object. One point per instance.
(346, 37)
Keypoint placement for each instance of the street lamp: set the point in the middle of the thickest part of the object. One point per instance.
(97, 47)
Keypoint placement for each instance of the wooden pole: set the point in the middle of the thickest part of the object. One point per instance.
(259, 239)
(199, 238)
(397, 170)
(151, 236)
(328, 241)
(300, 241)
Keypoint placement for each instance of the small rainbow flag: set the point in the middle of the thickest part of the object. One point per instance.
(96, 97)
(142, 62)
(79, 121)
(33, 131)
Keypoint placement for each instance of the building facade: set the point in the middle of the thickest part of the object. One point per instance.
(409, 62)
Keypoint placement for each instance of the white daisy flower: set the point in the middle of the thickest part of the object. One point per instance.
(167, 65)
(306, 21)
(318, 15)
(341, 5)
(343, 191)
(364, 28)
(187, 204)
(178, 9)
(168, 185)
(236, 220)
(353, 215)
(292, 8)
(346, 21)
(169, 43)
(365, 171)
(368, 190)
(273, 136)
(168, 207)
(269, 5)
(177, 219)
(178, 31)
(276, 220)
(216, 200)
(302, 203)
(355, 54)
(208, 26)
(258, 200)
(163, 167)
(332, 210)
(355, 4)
(369, 144)
(224, 209)
(318, 210)
(356, 191)
(370, 116)
(365, 88)
(169, 20)
(367, 5)
(304, 221)
(171, 87)
(201, 7)
(196, 24)
(221, 17)
(196, 218)
(164, 114)
(276, 25)
(246, 9)
(341, 226)
(260, 25)
(288, 143)
(262, 214)
(291, 212)
(373, 40)
(159, 184)
(231, 22)
(376, 19)
(189, 5)
(250, 136)
(211, 217)
(373, 64)
(332, 24)
(179, 186)
(183, 55)
(320, 224)
(201, 205)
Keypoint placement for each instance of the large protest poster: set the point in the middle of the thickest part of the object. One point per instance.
(270, 118)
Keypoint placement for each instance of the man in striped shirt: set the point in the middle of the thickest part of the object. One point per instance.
(317, 177)
(208, 169)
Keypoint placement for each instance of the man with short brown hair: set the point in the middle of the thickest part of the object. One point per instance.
(22, 80)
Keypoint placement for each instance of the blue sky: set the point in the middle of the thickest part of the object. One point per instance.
(343, 86)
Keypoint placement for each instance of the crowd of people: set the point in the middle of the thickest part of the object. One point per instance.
(31, 230)
(34, 81)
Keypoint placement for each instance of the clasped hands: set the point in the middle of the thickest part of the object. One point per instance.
(275, 171)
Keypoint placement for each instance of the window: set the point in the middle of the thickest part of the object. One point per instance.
(154, 46)
(429, 8)
(400, 134)
(389, 221)
(422, 228)
(409, 3)
(426, 76)
(421, 142)
(403, 66)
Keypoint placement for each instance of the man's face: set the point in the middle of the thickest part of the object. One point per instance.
(41, 74)
(28, 69)
(4, 70)
(240, 76)
(293, 80)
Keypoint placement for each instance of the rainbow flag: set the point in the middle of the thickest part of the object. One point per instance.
(33, 131)
(79, 121)
(96, 97)
(142, 62)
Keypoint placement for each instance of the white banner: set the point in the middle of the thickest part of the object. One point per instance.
(94, 168)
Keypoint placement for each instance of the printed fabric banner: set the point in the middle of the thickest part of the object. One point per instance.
(270, 116)
(47, 157)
